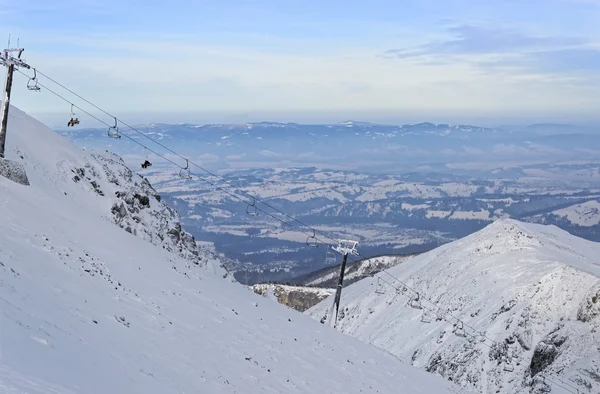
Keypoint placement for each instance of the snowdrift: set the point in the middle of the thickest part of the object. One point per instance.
(88, 307)
(514, 308)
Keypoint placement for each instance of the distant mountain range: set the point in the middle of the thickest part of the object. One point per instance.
(353, 145)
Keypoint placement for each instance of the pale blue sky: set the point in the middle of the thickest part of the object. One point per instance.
(311, 60)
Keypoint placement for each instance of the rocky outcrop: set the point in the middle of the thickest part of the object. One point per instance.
(14, 171)
(590, 306)
(546, 352)
(136, 207)
(296, 297)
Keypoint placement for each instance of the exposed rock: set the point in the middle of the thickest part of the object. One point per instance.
(590, 305)
(144, 200)
(14, 171)
(296, 297)
(133, 210)
(546, 352)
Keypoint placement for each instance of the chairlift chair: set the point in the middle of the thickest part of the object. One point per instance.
(73, 122)
(184, 173)
(312, 240)
(481, 336)
(32, 84)
(146, 162)
(508, 367)
(113, 131)
(460, 329)
(330, 257)
(251, 209)
(416, 302)
(380, 289)
(426, 317)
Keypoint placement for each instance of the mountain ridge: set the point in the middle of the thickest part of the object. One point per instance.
(521, 294)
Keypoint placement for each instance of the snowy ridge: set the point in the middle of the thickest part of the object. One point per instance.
(328, 277)
(86, 307)
(527, 296)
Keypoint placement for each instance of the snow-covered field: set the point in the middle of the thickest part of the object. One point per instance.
(88, 307)
(512, 308)
(586, 214)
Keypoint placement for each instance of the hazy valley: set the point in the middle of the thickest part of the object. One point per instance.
(395, 189)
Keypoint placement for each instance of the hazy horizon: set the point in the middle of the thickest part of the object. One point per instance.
(57, 120)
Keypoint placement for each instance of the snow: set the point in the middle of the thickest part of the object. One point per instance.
(473, 215)
(90, 308)
(437, 214)
(412, 207)
(585, 214)
(518, 287)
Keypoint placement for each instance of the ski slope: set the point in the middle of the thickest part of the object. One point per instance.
(87, 307)
(527, 297)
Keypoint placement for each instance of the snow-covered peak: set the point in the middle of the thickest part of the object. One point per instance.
(551, 244)
(525, 295)
(87, 307)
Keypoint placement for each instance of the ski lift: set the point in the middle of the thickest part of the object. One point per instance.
(113, 131)
(146, 163)
(330, 257)
(312, 240)
(346, 246)
(481, 336)
(416, 302)
(74, 120)
(508, 365)
(426, 317)
(380, 289)
(184, 173)
(32, 84)
(251, 208)
(460, 329)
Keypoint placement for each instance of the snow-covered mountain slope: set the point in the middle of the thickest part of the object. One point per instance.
(121, 195)
(527, 297)
(299, 298)
(87, 307)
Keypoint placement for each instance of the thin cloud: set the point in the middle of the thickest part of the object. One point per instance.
(508, 51)
(473, 151)
(479, 40)
(269, 153)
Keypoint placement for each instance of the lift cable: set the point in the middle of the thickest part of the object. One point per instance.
(217, 187)
(323, 234)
